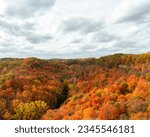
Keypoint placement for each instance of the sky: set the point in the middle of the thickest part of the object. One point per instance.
(73, 28)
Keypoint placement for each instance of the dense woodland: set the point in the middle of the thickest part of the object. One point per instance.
(108, 88)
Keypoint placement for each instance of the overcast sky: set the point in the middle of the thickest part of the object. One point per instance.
(73, 28)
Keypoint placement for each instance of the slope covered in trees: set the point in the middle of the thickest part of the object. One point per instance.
(111, 87)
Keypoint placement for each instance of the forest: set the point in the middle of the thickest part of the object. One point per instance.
(114, 87)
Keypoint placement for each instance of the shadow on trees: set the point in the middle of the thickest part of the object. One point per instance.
(62, 98)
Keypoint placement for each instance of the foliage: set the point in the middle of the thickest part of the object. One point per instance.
(30, 111)
(112, 87)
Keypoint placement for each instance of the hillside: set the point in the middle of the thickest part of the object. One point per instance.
(112, 87)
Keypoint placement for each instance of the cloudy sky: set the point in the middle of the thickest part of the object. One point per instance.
(73, 28)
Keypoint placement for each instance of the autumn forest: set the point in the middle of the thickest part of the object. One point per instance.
(114, 87)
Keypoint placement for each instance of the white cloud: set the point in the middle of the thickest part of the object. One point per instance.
(26, 8)
(132, 11)
(83, 25)
(71, 29)
(101, 9)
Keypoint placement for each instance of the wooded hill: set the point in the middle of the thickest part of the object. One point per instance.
(112, 87)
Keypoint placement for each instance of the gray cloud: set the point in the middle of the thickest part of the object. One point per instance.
(76, 41)
(88, 47)
(27, 8)
(130, 46)
(4, 25)
(137, 13)
(37, 38)
(82, 25)
(9, 48)
(14, 28)
(103, 36)
(125, 44)
(25, 30)
(87, 51)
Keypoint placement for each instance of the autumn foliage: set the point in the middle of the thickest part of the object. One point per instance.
(108, 88)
